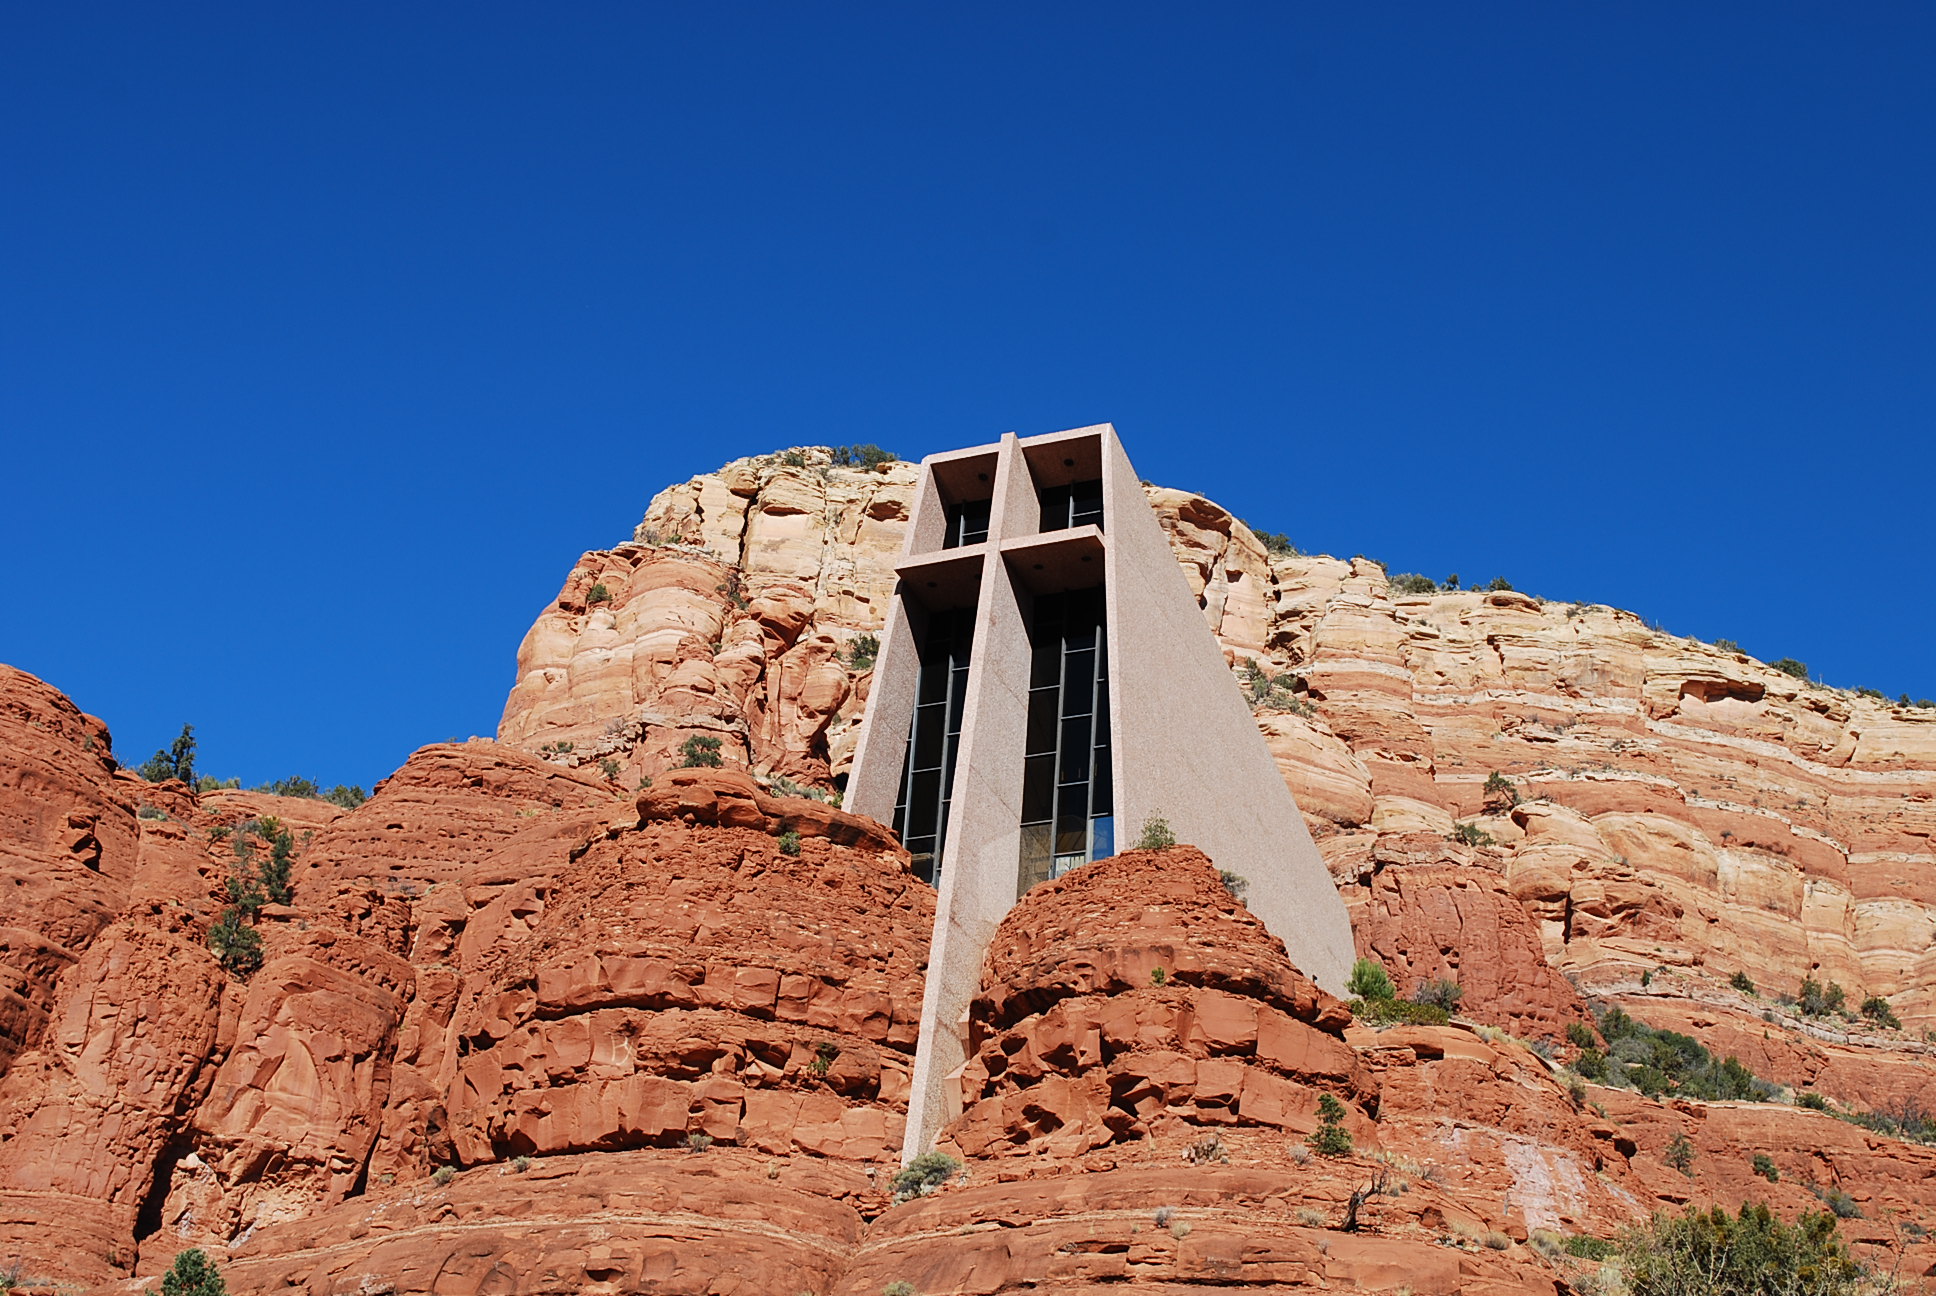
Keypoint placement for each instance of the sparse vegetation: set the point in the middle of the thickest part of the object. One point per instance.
(1838, 1201)
(1818, 1000)
(150, 812)
(237, 946)
(1665, 1062)
(869, 456)
(1727, 645)
(900, 1287)
(1764, 1165)
(1740, 981)
(789, 842)
(1582, 1036)
(1330, 1138)
(608, 767)
(1789, 666)
(1156, 834)
(1278, 546)
(597, 594)
(925, 1174)
(1413, 583)
(1714, 1254)
(824, 1054)
(1398, 1012)
(701, 751)
(1812, 1101)
(1439, 993)
(1589, 1248)
(520, 1164)
(177, 760)
(862, 650)
(443, 1175)
(1369, 980)
(1501, 790)
(1207, 1151)
(1679, 1153)
(1158, 977)
(1236, 883)
(1500, 585)
(193, 1274)
(793, 458)
(1469, 834)
(1264, 690)
(698, 1141)
(297, 786)
(1877, 1010)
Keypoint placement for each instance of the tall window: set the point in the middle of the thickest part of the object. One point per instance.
(934, 737)
(1074, 505)
(1067, 788)
(967, 523)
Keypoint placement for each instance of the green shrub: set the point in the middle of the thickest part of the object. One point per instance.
(1789, 666)
(1500, 585)
(520, 1164)
(700, 752)
(925, 1174)
(1741, 982)
(1369, 980)
(862, 650)
(1877, 1010)
(598, 594)
(1812, 1100)
(1840, 1202)
(150, 812)
(1398, 1012)
(1277, 545)
(1235, 883)
(1413, 583)
(789, 842)
(1592, 1064)
(1589, 1248)
(1156, 834)
(608, 767)
(1818, 1000)
(824, 1054)
(1714, 1254)
(1658, 1062)
(177, 760)
(1499, 787)
(900, 1287)
(236, 945)
(698, 1141)
(1582, 1036)
(1680, 1154)
(443, 1175)
(1764, 1165)
(193, 1274)
(793, 458)
(1470, 834)
(868, 456)
(1158, 977)
(1439, 993)
(346, 795)
(294, 786)
(1727, 645)
(1330, 1138)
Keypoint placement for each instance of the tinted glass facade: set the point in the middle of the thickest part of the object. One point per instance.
(934, 738)
(967, 523)
(1067, 785)
(1074, 505)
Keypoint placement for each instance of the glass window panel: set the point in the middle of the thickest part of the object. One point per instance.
(1102, 785)
(1072, 811)
(958, 695)
(925, 802)
(1078, 694)
(934, 683)
(1038, 788)
(928, 736)
(1041, 721)
(1075, 750)
(1073, 841)
(1102, 837)
(1046, 669)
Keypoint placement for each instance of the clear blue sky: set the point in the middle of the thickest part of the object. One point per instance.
(331, 335)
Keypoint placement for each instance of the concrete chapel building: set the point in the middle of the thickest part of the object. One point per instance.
(1047, 682)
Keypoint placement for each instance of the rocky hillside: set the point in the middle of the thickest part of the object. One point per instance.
(523, 1024)
(1659, 807)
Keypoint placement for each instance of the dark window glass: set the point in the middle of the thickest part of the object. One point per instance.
(967, 523)
(1078, 504)
(934, 737)
(1066, 783)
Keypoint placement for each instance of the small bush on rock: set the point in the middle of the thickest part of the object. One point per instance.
(1877, 1010)
(598, 594)
(862, 650)
(789, 842)
(1715, 1254)
(1439, 993)
(925, 1174)
(1764, 1165)
(1741, 982)
(1369, 980)
(193, 1274)
(1330, 1138)
(1156, 834)
(177, 760)
(443, 1175)
(700, 752)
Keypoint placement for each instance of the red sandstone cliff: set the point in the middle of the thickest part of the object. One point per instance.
(700, 1041)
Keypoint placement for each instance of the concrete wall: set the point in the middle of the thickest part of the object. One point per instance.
(1187, 748)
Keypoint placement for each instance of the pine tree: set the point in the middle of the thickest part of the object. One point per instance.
(193, 1274)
